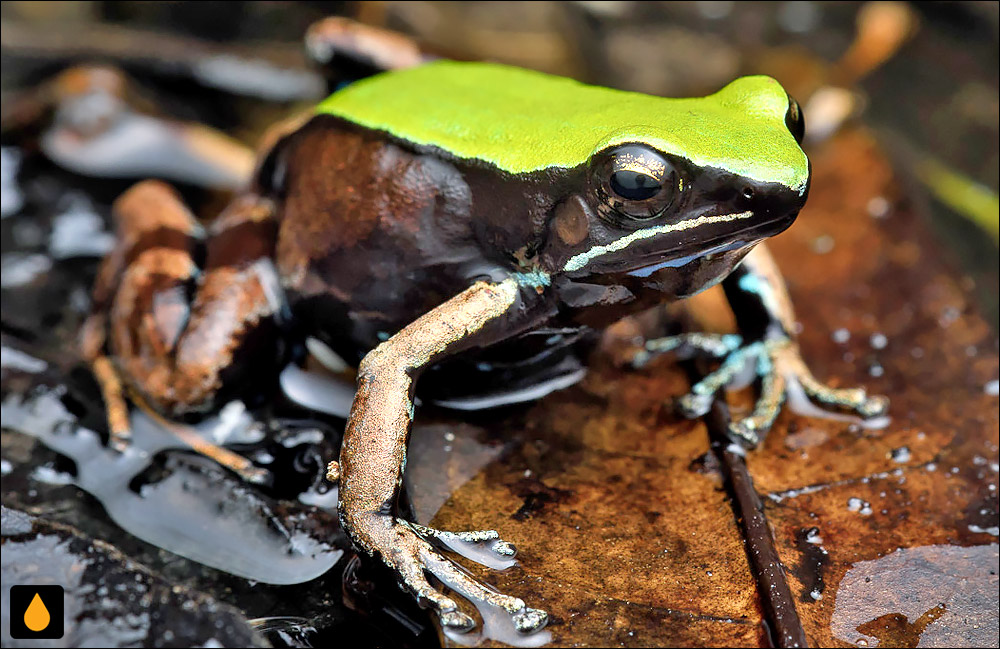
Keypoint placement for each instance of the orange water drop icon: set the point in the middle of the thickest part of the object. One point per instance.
(36, 617)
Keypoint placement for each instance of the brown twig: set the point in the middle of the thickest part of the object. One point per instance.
(776, 598)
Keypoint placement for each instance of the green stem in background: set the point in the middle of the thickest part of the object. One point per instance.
(968, 198)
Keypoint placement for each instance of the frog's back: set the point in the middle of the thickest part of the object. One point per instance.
(522, 121)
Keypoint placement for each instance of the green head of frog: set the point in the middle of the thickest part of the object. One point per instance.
(651, 180)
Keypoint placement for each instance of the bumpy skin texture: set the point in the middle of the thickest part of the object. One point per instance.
(177, 352)
(477, 269)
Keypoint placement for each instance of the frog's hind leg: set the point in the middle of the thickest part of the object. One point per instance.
(166, 330)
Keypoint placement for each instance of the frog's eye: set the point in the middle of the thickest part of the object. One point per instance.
(634, 181)
(794, 120)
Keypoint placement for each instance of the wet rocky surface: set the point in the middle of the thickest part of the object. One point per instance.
(110, 600)
(623, 514)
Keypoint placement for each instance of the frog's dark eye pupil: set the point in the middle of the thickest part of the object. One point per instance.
(634, 185)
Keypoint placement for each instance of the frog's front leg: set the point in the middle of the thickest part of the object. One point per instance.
(757, 294)
(373, 454)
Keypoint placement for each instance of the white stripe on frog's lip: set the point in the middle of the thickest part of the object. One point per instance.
(576, 262)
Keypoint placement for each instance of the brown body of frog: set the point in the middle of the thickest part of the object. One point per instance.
(372, 233)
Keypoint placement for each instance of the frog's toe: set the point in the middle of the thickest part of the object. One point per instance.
(504, 549)
(492, 604)
(852, 399)
(482, 546)
(874, 406)
(693, 405)
(748, 430)
(530, 620)
(697, 402)
(456, 621)
(686, 346)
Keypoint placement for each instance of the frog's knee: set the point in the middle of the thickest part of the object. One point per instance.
(153, 206)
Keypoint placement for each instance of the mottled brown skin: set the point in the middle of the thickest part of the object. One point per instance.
(357, 238)
(173, 350)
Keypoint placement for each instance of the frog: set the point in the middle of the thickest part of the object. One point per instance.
(459, 232)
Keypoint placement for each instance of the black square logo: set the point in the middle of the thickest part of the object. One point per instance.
(36, 612)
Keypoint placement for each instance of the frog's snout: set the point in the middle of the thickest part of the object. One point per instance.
(773, 200)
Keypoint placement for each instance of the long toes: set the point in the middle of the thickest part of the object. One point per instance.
(497, 545)
(474, 536)
(530, 620)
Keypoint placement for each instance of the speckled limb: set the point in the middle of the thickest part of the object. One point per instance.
(697, 402)
(165, 345)
(491, 537)
(373, 454)
(772, 395)
(759, 280)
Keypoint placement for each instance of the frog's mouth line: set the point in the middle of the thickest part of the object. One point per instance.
(579, 261)
(723, 242)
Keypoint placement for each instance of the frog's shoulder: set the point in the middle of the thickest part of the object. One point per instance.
(522, 121)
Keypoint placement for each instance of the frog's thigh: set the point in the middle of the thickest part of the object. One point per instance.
(173, 328)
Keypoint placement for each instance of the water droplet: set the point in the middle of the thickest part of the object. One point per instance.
(36, 617)
(841, 336)
(857, 505)
(901, 454)
(822, 244)
(878, 207)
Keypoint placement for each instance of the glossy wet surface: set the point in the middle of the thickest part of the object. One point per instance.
(623, 515)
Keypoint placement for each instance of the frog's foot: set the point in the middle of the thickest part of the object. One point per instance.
(404, 548)
(777, 364)
(485, 547)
